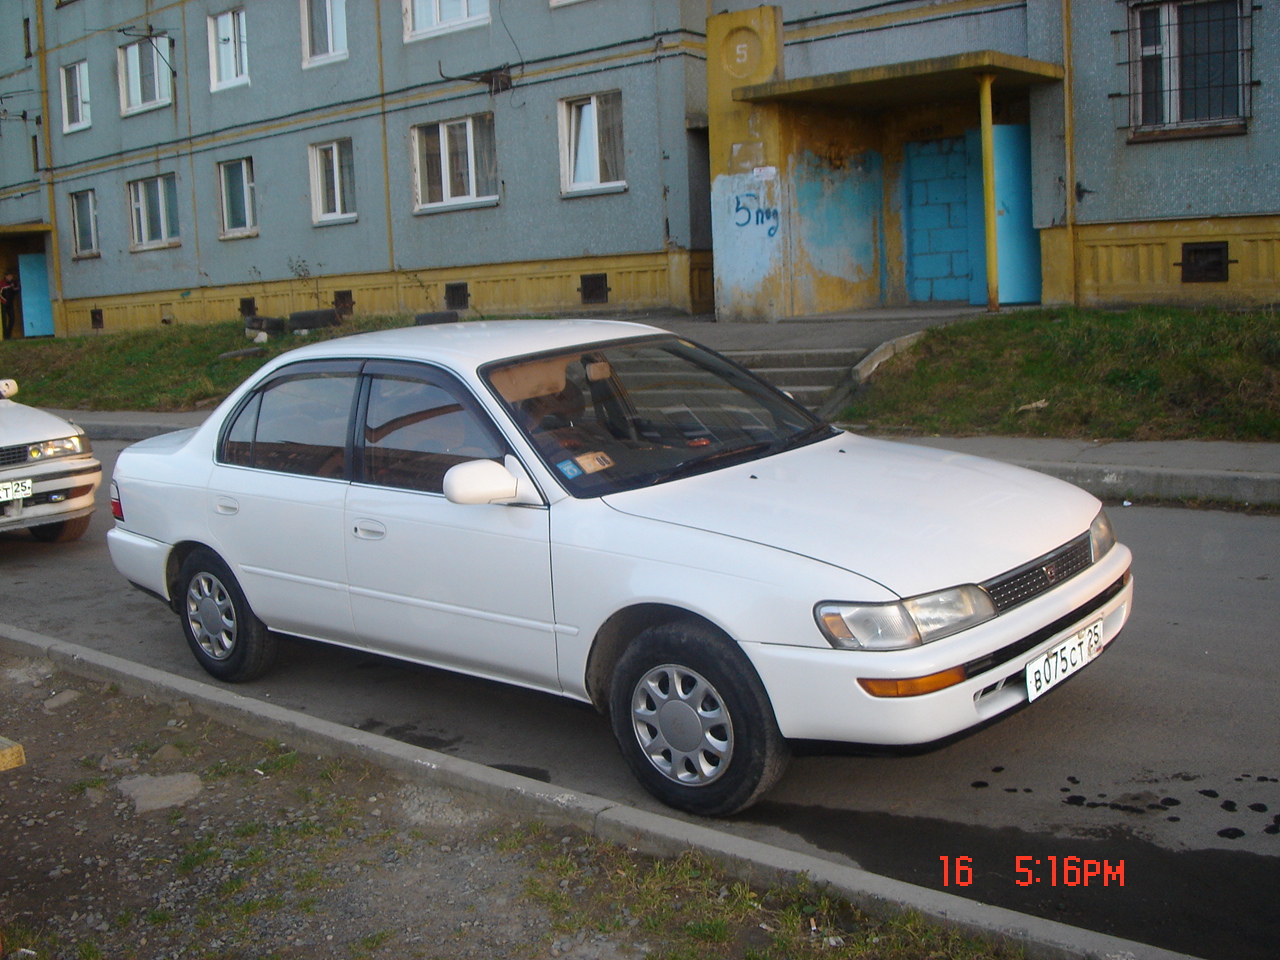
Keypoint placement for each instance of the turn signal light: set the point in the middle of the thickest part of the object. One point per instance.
(915, 686)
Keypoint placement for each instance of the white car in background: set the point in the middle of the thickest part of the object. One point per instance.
(611, 513)
(48, 474)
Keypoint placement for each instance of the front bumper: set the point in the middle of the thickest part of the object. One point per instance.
(816, 695)
(61, 489)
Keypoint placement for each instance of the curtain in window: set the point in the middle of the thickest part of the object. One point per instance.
(347, 175)
(586, 168)
(1208, 48)
(610, 122)
(431, 167)
(486, 155)
(171, 206)
(459, 162)
(318, 24)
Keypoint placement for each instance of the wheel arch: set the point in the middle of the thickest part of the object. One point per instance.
(618, 633)
(173, 567)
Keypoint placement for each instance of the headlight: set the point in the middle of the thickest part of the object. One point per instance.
(1101, 537)
(906, 623)
(65, 447)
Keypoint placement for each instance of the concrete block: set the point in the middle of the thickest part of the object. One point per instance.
(930, 266)
(949, 240)
(951, 288)
(921, 290)
(930, 217)
(947, 191)
(928, 167)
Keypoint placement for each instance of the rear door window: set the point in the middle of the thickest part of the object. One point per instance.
(298, 422)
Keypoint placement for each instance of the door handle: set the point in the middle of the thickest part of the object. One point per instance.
(226, 506)
(369, 530)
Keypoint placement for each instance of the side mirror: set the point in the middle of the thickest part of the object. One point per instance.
(8, 388)
(487, 481)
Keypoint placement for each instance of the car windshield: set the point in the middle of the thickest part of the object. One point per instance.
(632, 414)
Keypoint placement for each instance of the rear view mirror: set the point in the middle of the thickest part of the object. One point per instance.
(8, 388)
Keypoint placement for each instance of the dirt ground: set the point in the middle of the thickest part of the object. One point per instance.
(139, 830)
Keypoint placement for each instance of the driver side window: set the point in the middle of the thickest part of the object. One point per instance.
(415, 429)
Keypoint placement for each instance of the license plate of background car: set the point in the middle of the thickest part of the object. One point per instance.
(1053, 666)
(14, 490)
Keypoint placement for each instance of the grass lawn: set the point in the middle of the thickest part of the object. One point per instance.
(173, 368)
(1147, 374)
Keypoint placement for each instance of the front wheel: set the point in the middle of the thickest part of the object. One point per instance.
(225, 636)
(693, 720)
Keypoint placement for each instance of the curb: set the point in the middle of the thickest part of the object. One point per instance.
(650, 833)
(1109, 481)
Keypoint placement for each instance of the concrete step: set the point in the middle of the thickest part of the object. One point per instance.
(816, 377)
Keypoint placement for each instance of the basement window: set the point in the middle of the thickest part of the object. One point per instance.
(595, 288)
(1205, 262)
(456, 296)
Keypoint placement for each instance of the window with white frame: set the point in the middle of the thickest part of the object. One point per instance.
(239, 205)
(591, 143)
(146, 77)
(75, 96)
(324, 30)
(228, 50)
(84, 223)
(153, 204)
(426, 17)
(457, 162)
(333, 181)
(1190, 63)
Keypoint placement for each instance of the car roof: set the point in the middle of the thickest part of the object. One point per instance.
(473, 343)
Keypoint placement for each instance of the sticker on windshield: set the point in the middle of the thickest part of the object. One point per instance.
(570, 469)
(594, 462)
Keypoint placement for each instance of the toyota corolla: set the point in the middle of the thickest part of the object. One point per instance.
(611, 513)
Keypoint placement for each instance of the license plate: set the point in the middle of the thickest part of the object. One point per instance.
(14, 490)
(1052, 667)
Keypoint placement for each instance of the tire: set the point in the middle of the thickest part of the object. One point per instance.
(693, 720)
(225, 636)
(64, 531)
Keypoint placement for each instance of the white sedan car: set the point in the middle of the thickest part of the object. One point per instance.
(611, 513)
(48, 474)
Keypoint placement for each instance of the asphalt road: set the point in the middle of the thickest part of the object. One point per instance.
(1158, 768)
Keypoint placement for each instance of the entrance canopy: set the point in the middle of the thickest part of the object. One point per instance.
(902, 84)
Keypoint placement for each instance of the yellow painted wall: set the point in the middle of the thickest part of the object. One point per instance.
(1133, 263)
(676, 279)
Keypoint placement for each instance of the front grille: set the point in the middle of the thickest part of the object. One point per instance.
(1018, 586)
(12, 456)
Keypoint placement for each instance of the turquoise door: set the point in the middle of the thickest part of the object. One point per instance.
(37, 311)
(1017, 240)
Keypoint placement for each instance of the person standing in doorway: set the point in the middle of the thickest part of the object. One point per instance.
(9, 293)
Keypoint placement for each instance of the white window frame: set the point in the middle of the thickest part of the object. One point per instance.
(248, 199)
(430, 18)
(573, 137)
(1166, 48)
(158, 50)
(326, 160)
(228, 49)
(81, 249)
(75, 96)
(470, 195)
(335, 30)
(153, 229)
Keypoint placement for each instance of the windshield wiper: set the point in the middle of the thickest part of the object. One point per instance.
(709, 462)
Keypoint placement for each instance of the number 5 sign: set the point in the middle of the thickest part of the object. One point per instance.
(741, 52)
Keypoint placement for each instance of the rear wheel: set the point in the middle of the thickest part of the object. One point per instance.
(693, 720)
(225, 636)
(64, 531)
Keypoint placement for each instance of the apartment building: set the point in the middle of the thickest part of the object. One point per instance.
(186, 161)
(191, 160)
(1088, 152)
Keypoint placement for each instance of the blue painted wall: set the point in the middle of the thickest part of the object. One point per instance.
(937, 220)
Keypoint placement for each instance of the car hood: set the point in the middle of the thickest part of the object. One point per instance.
(22, 424)
(913, 519)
